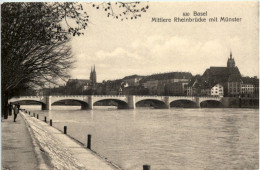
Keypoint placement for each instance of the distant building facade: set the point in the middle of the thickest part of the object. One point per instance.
(223, 81)
(215, 81)
(133, 80)
(234, 86)
(82, 86)
(77, 86)
(249, 87)
(172, 83)
(217, 90)
(229, 77)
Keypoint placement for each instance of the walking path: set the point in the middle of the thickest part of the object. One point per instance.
(51, 148)
(17, 145)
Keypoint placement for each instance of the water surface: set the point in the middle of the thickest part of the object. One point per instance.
(165, 139)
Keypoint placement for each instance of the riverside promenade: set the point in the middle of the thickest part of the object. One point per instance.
(17, 145)
(30, 143)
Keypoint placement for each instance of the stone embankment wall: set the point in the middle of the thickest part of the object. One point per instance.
(60, 150)
(235, 102)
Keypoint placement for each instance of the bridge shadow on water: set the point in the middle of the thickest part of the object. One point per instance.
(151, 103)
(112, 102)
(183, 104)
(83, 105)
(211, 104)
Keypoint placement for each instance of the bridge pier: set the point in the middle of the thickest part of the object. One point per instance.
(131, 102)
(47, 106)
(44, 107)
(197, 101)
(90, 102)
(84, 106)
(167, 102)
(48, 103)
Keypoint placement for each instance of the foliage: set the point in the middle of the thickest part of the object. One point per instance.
(34, 43)
(32, 33)
(35, 36)
(123, 10)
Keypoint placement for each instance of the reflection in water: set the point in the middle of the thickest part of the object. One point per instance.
(168, 138)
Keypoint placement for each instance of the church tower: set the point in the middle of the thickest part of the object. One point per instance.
(94, 74)
(231, 61)
(91, 74)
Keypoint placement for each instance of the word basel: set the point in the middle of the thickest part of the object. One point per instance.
(185, 14)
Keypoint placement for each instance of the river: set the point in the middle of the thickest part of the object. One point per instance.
(165, 139)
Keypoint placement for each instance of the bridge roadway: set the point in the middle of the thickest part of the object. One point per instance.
(124, 101)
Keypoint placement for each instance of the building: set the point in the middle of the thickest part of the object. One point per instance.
(77, 86)
(249, 87)
(93, 76)
(166, 83)
(133, 80)
(217, 90)
(229, 77)
(234, 86)
(193, 88)
(175, 89)
(205, 91)
(231, 61)
(114, 87)
(82, 86)
(151, 85)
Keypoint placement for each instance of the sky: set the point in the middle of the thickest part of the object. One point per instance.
(122, 48)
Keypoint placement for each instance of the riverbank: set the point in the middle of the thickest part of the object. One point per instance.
(17, 145)
(50, 148)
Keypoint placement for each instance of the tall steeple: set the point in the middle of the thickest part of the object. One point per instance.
(93, 75)
(231, 61)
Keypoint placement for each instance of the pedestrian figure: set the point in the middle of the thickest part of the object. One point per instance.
(16, 111)
(18, 106)
(10, 108)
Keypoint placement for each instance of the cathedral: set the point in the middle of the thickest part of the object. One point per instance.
(231, 61)
(93, 76)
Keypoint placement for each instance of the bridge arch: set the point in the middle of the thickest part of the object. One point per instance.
(121, 104)
(84, 105)
(28, 100)
(211, 103)
(183, 103)
(146, 102)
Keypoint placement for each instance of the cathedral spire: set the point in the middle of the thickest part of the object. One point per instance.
(93, 75)
(231, 61)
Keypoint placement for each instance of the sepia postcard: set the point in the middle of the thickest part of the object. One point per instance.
(130, 85)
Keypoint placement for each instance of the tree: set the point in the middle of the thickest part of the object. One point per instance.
(35, 40)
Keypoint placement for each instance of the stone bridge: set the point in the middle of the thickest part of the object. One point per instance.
(124, 102)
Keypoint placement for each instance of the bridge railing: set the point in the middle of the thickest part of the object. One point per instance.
(183, 96)
(70, 96)
(145, 96)
(109, 95)
(27, 97)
